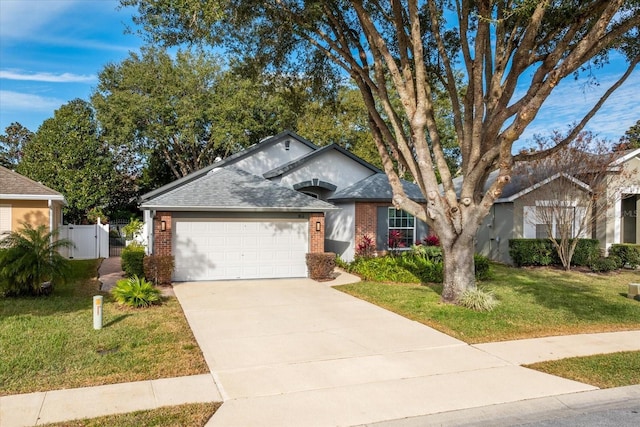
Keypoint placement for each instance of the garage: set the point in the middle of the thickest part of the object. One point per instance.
(227, 249)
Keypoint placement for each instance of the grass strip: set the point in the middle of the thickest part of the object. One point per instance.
(602, 370)
(193, 414)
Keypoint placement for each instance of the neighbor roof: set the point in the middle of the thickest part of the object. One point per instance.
(228, 161)
(16, 186)
(232, 189)
(518, 186)
(376, 188)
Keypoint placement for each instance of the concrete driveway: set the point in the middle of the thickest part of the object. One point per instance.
(296, 352)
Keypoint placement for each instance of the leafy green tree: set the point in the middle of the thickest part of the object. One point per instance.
(510, 55)
(29, 257)
(11, 144)
(181, 113)
(67, 154)
(631, 138)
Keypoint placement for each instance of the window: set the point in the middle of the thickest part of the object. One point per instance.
(401, 229)
(539, 220)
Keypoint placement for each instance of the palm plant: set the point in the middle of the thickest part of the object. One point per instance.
(29, 257)
(136, 292)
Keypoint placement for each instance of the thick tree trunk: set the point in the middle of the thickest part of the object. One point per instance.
(459, 268)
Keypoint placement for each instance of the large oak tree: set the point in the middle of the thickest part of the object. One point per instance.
(510, 55)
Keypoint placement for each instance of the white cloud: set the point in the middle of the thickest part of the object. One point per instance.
(16, 101)
(48, 77)
(22, 19)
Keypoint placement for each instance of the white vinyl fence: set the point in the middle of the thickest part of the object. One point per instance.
(90, 241)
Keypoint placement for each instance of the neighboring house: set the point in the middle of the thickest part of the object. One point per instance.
(513, 215)
(25, 200)
(258, 213)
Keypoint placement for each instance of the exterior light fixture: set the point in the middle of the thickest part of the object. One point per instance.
(163, 226)
(317, 225)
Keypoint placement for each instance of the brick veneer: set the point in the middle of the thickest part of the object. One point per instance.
(366, 221)
(316, 238)
(162, 240)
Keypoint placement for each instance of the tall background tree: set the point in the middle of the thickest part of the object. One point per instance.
(68, 155)
(631, 138)
(407, 51)
(12, 142)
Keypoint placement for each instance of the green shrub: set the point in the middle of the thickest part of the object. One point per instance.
(425, 269)
(28, 258)
(478, 300)
(603, 265)
(133, 260)
(382, 269)
(627, 253)
(541, 252)
(483, 267)
(587, 251)
(409, 268)
(133, 229)
(136, 292)
(531, 252)
(158, 268)
(433, 253)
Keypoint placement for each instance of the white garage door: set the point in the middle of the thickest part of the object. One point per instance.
(225, 250)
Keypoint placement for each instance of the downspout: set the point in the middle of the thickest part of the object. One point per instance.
(50, 204)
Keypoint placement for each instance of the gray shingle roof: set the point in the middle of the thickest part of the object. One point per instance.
(376, 188)
(14, 184)
(228, 161)
(232, 189)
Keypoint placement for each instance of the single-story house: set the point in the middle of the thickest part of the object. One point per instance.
(257, 213)
(513, 215)
(25, 200)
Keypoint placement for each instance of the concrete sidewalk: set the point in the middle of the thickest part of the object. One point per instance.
(90, 402)
(109, 272)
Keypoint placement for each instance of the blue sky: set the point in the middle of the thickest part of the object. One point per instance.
(52, 50)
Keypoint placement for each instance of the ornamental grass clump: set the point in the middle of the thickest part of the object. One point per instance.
(136, 292)
(478, 299)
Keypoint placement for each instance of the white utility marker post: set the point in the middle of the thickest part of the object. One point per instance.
(97, 312)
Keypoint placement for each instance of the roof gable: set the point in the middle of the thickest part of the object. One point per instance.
(232, 189)
(297, 163)
(531, 188)
(233, 159)
(16, 186)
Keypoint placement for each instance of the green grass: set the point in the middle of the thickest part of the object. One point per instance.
(534, 302)
(49, 343)
(603, 370)
(196, 414)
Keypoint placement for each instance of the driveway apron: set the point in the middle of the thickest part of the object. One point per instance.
(296, 352)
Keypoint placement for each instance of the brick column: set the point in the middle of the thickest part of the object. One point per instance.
(162, 240)
(316, 237)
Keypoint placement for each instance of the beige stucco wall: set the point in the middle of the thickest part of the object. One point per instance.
(625, 182)
(35, 212)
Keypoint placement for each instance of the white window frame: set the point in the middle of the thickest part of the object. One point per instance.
(5, 220)
(531, 219)
(409, 217)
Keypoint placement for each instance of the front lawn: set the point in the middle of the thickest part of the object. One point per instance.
(534, 302)
(49, 343)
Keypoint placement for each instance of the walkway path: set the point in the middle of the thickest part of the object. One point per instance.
(296, 352)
